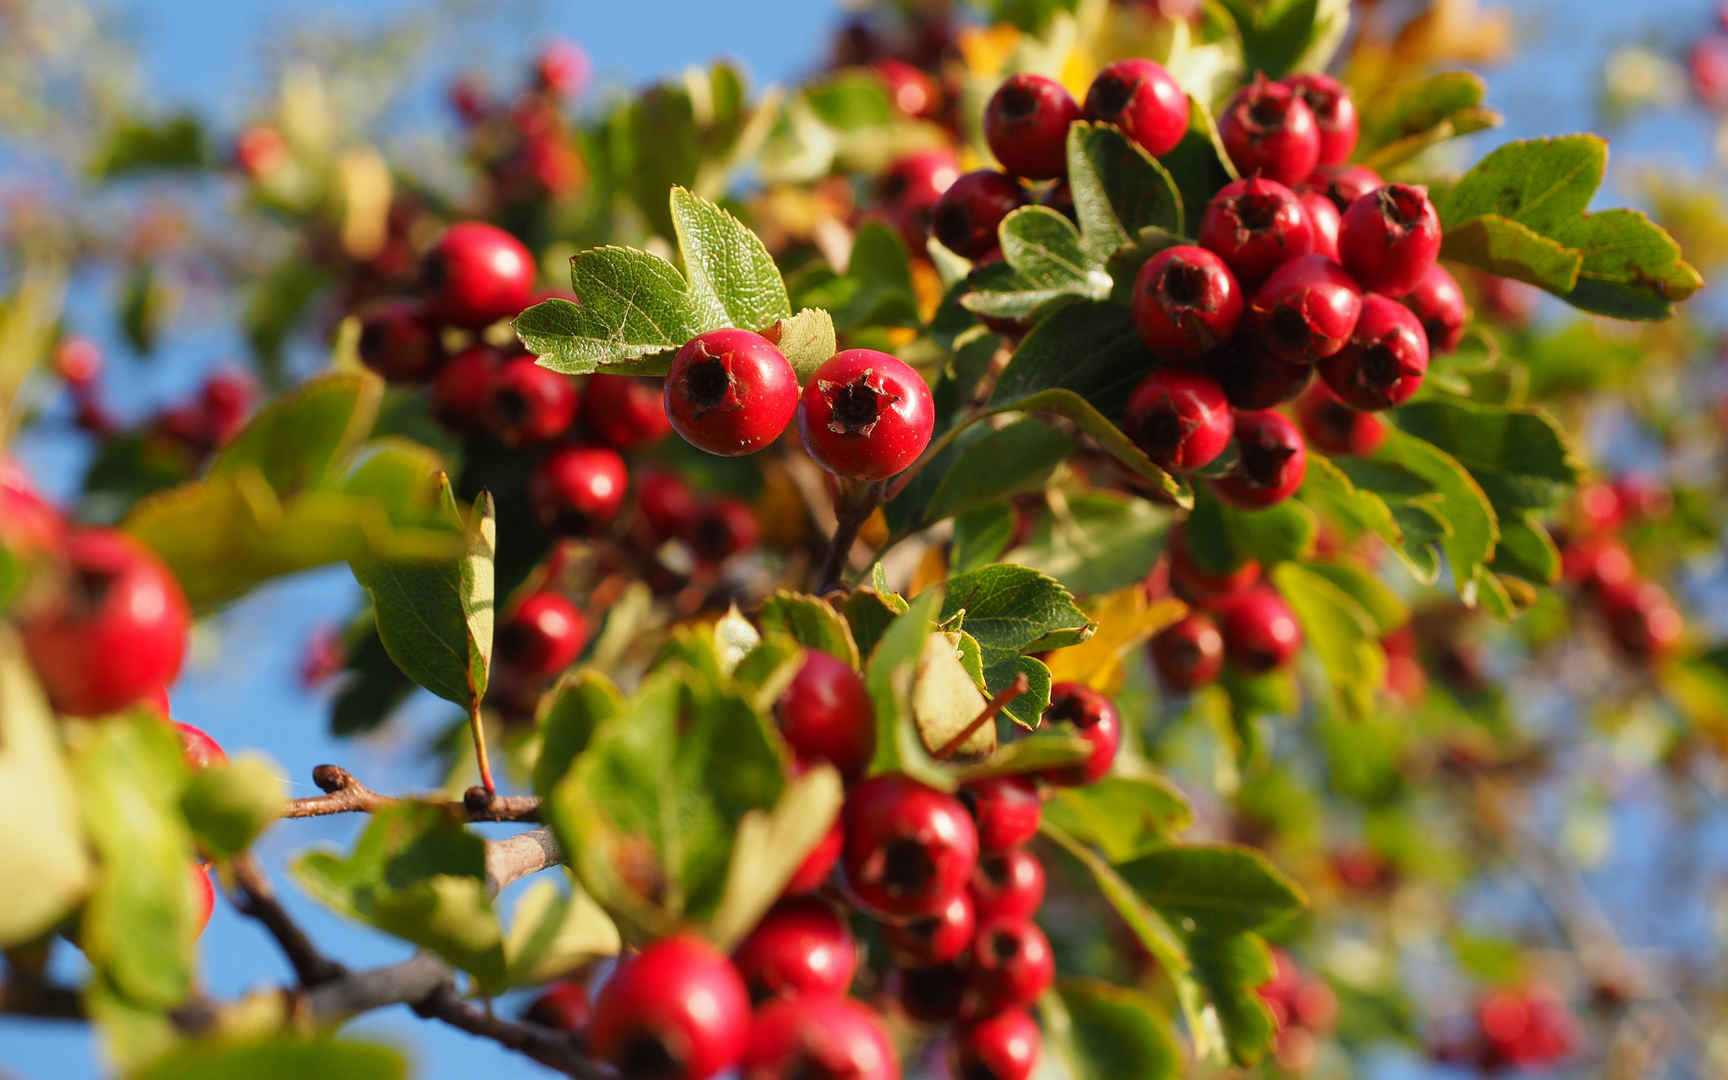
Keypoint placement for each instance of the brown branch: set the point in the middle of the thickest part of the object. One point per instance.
(40, 1000)
(347, 795)
(552, 1048)
(254, 898)
(989, 713)
(852, 508)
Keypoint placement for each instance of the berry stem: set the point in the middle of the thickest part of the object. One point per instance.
(852, 508)
(989, 713)
(478, 728)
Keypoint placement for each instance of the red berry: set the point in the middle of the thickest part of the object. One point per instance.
(909, 848)
(967, 214)
(1254, 377)
(722, 528)
(1196, 584)
(1179, 418)
(1643, 620)
(1188, 653)
(1011, 966)
(117, 635)
(200, 749)
(826, 715)
(1091, 716)
(78, 361)
(676, 1009)
(399, 342)
(477, 274)
(1269, 131)
(1273, 458)
(542, 636)
(1324, 221)
(561, 68)
(1343, 184)
(813, 872)
(563, 1006)
(936, 938)
(913, 93)
(1334, 427)
(224, 402)
(1026, 124)
(909, 190)
(1386, 358)
(259, 151)
(865, 415)
(1307, 309)
(1006, 810)
(818, 1038)
(1186, 301)
(623, 412)
(1261, 633)
(578, 490)
(1256, 225)
(930, 995)
(459, 391)
(526, 403)
(203, 896)
(730, 392)
(1439, 305)
(666, 502)
(801, 946)
(1390, 239)
(1334, 114)
(1707, 62)
(1008, 885)
(469, 100)
(1144, 100)
(1002, 1047)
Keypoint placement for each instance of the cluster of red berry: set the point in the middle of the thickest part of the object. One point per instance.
(523, 147)
(1527, 1028)
(1641, 617)
(193, 429)
(1304, 1008)
(1233, 616)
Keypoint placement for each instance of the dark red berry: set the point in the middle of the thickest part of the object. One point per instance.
(666, 502)
(561, 68)
(1439, 306)
(1026, 124)
(801, 946)
(1089, 714)
(818, 1038)
(1334, 427)
(865, 415)
(1272, 460)
(1180, 418)
(909, 848)
(730, 392)
(1324, 221)
(1186, 301)
(200, 749)
(543, 635)
(399, 342)
(1386, 358)
(1256, 225)
(1261, 633)
(1269, 131)
(1189, 653)
(930, 995)
(914, 93)
(1643, 620)
(1598, 563)
(1390, 238)
(1001, 1047)
(623, 412)
(936, 938)
(477, 274)
(675, 1011)
(1254, 377)
(1011, 966)
(563, 1006)
(1008, 885)
(1144, 100)
(526, 403)
(459, 391)
(1307, 309)
(826, 715)
(722, 528)
(909, 190)
(1343, 184)
(1196, 584)
(813, 872)
(578, 490)
(1006, 810)
(1334, 114)
(224, 403)
(967, 214)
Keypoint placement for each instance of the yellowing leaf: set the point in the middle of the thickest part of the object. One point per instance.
(945, 698)
(1125, 618)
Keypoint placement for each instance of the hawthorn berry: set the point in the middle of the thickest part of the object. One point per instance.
(203, 896)
(1261, 633)
(77, 361)
(1011, 965)
(459, 389)
(818, 862)
(677, 1010)
(1006, 810)
(1386, 358)
(1643, 620)
(1272, 460)
(1334, 427)
(1324, 221)
(1439, 305)
(801, 946)
(818, 1038)
(1189, 653)
(930, 995)
(200, 750)
(1001, 1047)
(1268, 130)
(1008, 885)
(561, 68)
(1197, 584)
(1026, 125)
(825, 714)
(259, 151)
(1144, 100)
(224, 402)
(477, 274)
(909, 847)
(666, 503)
(1390, 238)
(526, 403)
(578, 490)
(1254, 377)
(542, 635)
(623, 412)
(1343, 183)
(1334, 114)
(399, 342)
(936, 938)
(722, 527)
(1307, 309)
(1256, 225)
(966, 216)
(1186, 301)
(909, 190)
(914, 94)
(1707, 64)
(730, 392)
(865, 415)
(1179, 418)
(563, 1006)
(1091, 716)
(116, 634)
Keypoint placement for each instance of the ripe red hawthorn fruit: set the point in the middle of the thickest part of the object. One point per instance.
(826, 715)
(203, 896)
(1189, 653)
(259, 151)
(865, 415)
(477, 274)
(722, 527)
(1256, 225)
(542, 635)
(1643, 620)
(1026, 124)
(1386, 358)
(1180, 418)
(1196, 584)
(909, 848)
(1008, 885)
(914, 94)
(200, 750)
(1144, 100)
(459, 390)
(399, 342)
(623, 412)
(1707, 63)
(676, 1009)
(1186, 301)
(1334, 114)
(1598, 507)
(1324, 222)
(1261, 633)
(665, 502)
(1273, 459)
(1307, 309)
(526, 403)
(578, 490)
(730, 392)
(909, 190)
(1011, 965)
(1642, 496)
(224, 402)
(937, 938)
(1390, 238)
(1343, 184)
(117, 635)
(822, 1038)
(818, 862)
(1001, 1047)
(1093, 717)
(1268, 130)
(77, 361)
(801, 946)
(966, 216)
(561, 68)
(1334, 427)
(563, 1006)
(1438, 302)
(1006, 810)
(1254, 377)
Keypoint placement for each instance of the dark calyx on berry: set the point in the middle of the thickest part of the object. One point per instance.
(857, 405)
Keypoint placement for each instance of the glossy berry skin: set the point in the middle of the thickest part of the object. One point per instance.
(1256, 225)
(801, 946)
(1011, 965)
(1008, 885)
(722, 528)
(477, 274)
(1390, 239)
(1324, 221)
(203, 896)
(909, 190)
(1091, 716)
(1026, 125)
(1439, 306)
(526, 403)
(1196, 584)
(677, 1010)
(1307, 309)
(937, 938)
(1273, 460)
(459, 389)
(1001, 1047)
(578, 490)
(1343, 184)
(200, 750)
(1179, 418)
(1186, 301)
(1268, 130)
(1189, 653)
(1333, 427)
(826, 715)
(730, 392)
(563, 1006)
(1384, 363)
(543, 635)
(117, 635)
(623, 412)
(818, 863)
(966, 216)
(1334, 114)
(913, 93)
(665, 502)
(818, 1038)
(865, 415)
(399, 342)
(909, 848)
(1006, 810)
(1598, 563)
(1261, 633)
(1144, 100)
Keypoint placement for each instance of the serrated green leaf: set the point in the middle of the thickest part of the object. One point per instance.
(1216, 890)
(1231, 536)
(891, 674)
(1104, 1032)
(1045, 250)
(579, 705)
(811, 622)
(1123, 816)
(1463, 507)
(982, 535)
(1198, 166)
(1506, 248)
(1388, 610)
(1230, 968)
(806, 340)
(299, 440)
(1118, 190)
(1012, 610)
(1327, 488)
(733, 280)
(1002, 462)
(1412, 115)
(771, 844)
(1542, 184)
(41, 840)
(1341, 633)
(228, 806)
(633, 308)
(1632, 268)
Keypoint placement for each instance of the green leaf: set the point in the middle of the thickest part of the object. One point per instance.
(1099, 542)
(806, 340)
(1388, 610)
(946, 698)
(1542, 184)
(1327, 488)
(1104, 1032)
(868, 614)
(1119, 189)
(300, 440)
(1341, 633)
(229, 806)
(1005, 461)
(770, 846)
(982, 535)
(1463, 508)
(891, 674)
(1123, 816)
(553, 933)
(1198, 166)
(876, 289)
(1217, 890)
(1231, 536)
(811, 622)
(1503, 247)
(1632, 267)
(581, 703)
(1012, 610)
(1045, 250)
(632, 306)
(1410, 116)
(1092, 350)
(733, 279)
(1230, 968)
(1284, 36)
(137, 145)
(1034, 753)
(280, 1057)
